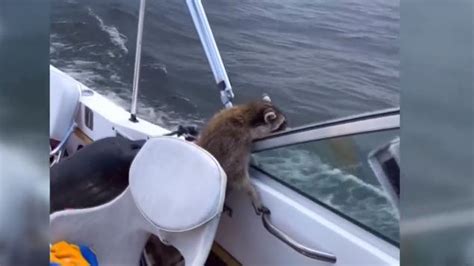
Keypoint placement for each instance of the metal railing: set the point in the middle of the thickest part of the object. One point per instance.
(210, 48)
(368, 122)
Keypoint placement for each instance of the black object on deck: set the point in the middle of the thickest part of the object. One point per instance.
(94, 175)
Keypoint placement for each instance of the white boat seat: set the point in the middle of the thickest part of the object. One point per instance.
(64, 94)
(176, 192)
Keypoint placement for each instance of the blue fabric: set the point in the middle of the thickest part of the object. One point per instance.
(89, 255)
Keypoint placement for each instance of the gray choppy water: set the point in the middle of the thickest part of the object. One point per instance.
(317, 59)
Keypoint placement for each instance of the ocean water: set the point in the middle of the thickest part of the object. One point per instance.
(318, 60)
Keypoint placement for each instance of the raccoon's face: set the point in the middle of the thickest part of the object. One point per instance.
(265, 113)
(275, 119)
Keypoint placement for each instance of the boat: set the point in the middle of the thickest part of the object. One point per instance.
(300, 227)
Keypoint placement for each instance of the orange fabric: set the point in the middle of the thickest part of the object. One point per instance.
(66, 254)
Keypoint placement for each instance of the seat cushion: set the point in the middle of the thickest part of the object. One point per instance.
(64, 94)
(176, 184)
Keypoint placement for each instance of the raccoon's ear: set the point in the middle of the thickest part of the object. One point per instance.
(269, 117)
(266, 98)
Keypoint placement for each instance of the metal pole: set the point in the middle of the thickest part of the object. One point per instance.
(138, 52)
(212, 52)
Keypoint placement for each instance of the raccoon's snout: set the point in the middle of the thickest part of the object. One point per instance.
(280, 125)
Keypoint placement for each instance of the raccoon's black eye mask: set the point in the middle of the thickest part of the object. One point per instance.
(281, 127)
